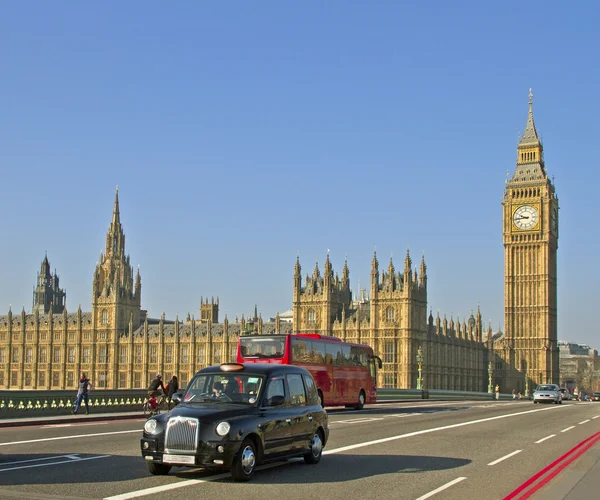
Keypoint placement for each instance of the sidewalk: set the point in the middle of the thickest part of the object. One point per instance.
(578, 481)
(69, 419)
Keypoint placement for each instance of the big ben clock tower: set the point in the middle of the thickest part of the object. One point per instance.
(530, 230)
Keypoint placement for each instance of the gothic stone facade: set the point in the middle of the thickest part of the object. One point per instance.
(116, 344)
(120, 347)
(394, 321)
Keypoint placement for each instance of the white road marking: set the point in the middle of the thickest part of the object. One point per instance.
(435, 429)
(544, 439)
(69, 461)
(191, 482)
(584, 422)
(31, 460)
(58, 438)
(568, 428)
(52, 426)
(595, 417)
(442, 488)
(357, 420)
(505, 457)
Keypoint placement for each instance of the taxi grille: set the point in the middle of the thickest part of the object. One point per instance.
(181, 435)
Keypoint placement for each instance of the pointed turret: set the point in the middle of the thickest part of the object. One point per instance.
(297, 268)
(328, 268)
(116, 218)
(423, 271)
(407, 263)
(530, 152)
(391, 270)
(345, 274)
(374, 270)
(530, 135)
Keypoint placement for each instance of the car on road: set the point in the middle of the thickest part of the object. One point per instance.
(236, 416)
(596, 396)
(566, 395)
(547, 393)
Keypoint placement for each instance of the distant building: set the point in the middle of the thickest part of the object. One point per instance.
(579, 367)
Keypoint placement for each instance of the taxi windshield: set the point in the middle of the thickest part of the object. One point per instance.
(224, 388)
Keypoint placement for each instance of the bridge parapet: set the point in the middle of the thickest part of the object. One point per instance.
(15, 404)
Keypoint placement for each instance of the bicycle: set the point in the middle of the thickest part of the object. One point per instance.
(161, 405)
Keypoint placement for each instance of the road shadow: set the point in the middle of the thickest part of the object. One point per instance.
(61, 468)
(341, 468)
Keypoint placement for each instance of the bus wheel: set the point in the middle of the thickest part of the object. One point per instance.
(320, 398)
(361, 400)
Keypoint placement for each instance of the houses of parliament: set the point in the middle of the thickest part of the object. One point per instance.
(119, 346)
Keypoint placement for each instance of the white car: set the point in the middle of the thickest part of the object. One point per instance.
(547, 393)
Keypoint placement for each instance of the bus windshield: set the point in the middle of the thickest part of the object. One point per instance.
(262, 347)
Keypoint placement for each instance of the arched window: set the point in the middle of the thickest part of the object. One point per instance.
(104, 317)
(389, 314)
(312, 316)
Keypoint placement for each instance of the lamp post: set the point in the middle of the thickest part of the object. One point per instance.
(490, 375)
(526, 386)
(420, 368)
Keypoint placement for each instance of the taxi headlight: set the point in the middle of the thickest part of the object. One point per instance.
(223, 428)
(150, 426)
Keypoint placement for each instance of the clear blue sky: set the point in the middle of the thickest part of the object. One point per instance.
(244, 133)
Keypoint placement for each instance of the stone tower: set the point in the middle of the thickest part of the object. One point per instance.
(530, 233)
(47, 295)
(322, 300)
(116, 297)
(209, 310)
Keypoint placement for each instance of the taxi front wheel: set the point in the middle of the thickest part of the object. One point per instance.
(244, 463)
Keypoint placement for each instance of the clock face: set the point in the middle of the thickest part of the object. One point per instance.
(525, 217)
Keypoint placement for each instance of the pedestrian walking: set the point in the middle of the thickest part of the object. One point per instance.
(497, 391)
(172, 388)
(514, 393)
(82, 393)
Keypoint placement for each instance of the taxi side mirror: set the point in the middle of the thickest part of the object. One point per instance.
(275, 400)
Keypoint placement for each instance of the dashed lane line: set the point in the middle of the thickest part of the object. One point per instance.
(442, 488)
(501, 459)
(58, 438)
(544, 439)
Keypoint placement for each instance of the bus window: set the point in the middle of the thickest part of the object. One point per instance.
(317, 354)
(333, 353)
(301, 350)
(262, 347)
(346, 358)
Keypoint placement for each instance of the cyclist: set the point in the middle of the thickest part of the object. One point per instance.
(154, 389)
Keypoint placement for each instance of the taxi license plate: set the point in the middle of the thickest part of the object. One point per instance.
(178, 459)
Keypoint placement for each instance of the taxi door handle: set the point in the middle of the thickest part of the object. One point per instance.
(310, 418)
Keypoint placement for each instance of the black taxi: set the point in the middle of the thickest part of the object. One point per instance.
(236, 416)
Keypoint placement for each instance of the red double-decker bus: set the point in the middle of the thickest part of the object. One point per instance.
(345, 373)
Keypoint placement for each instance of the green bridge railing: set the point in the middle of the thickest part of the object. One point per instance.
(16, 404)
(19, 404)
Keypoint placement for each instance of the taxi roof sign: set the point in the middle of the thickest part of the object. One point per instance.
(231, 367)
